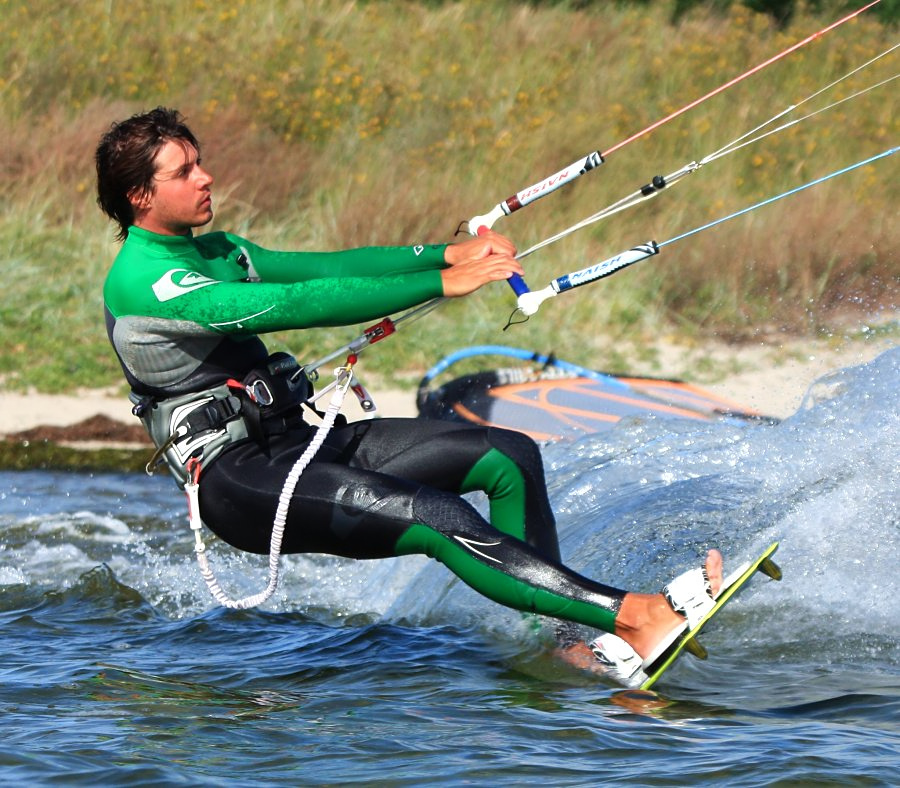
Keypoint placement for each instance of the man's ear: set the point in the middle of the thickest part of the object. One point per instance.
(140, 199)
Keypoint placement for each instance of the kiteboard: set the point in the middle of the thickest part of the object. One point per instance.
(550, 399)
(730, 588)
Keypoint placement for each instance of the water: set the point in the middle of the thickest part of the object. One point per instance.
(118, 668)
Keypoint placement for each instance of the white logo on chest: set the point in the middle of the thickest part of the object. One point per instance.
(179, 281)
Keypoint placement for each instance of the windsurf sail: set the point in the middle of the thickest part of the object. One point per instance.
(551, 399)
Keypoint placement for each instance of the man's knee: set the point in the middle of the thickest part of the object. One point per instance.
(449, 515)
(520, 448)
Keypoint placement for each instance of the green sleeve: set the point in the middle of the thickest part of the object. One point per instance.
(371, 261)
(204, 283)
(240, 307)
(259, 307)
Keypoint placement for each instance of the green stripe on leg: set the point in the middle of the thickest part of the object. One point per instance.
(502, 480)
(489, 579)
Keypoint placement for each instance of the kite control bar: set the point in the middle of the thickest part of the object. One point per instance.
(530, 302)
(477, 224)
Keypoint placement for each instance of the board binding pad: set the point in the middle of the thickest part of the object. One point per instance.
(688, 642)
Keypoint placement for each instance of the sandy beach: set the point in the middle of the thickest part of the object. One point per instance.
(771, 379)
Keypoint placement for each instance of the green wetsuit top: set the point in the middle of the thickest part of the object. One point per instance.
(183, 312)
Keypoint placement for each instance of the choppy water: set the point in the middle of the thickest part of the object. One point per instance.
(117, 668)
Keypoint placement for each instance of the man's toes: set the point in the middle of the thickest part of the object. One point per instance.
(714, 570)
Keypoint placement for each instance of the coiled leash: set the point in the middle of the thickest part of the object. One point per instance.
(339, 387)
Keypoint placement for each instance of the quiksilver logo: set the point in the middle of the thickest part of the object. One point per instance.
(179, 281)
(472, 545)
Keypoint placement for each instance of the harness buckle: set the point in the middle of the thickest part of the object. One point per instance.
(260, 393)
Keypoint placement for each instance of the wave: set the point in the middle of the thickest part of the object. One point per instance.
(635, 506)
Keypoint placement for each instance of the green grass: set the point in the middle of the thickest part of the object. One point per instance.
(330, 125)
(47, 456)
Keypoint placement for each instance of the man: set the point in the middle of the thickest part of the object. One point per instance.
(184, 313)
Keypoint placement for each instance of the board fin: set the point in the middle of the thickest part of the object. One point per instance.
(693, 646)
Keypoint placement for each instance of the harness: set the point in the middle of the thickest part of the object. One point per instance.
(199, 426)
(192, 430)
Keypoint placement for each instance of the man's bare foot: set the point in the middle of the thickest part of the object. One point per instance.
(645, 619)
(578, 655)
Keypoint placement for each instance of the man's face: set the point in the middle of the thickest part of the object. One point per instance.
(181, 198)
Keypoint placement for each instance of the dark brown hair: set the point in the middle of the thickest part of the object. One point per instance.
(126, 160)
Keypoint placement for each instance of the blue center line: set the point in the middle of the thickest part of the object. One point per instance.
(696, 230)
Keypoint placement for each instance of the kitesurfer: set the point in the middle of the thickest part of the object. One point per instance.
(184, 313)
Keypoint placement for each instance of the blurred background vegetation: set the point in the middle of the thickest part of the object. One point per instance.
(337, 124)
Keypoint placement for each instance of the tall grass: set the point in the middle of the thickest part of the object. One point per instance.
(330, 125)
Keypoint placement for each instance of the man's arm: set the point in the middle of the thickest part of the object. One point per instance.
(259, 307)
(371, 261)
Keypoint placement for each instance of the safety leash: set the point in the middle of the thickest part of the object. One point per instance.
(339, 387)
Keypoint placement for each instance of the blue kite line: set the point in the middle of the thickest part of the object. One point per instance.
(696, 230)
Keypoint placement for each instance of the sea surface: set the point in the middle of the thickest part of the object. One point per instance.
(118, 667)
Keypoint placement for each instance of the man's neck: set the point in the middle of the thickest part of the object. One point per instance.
(163, 229)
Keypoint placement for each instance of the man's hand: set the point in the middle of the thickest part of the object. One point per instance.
(477, 261)
(479, 246)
